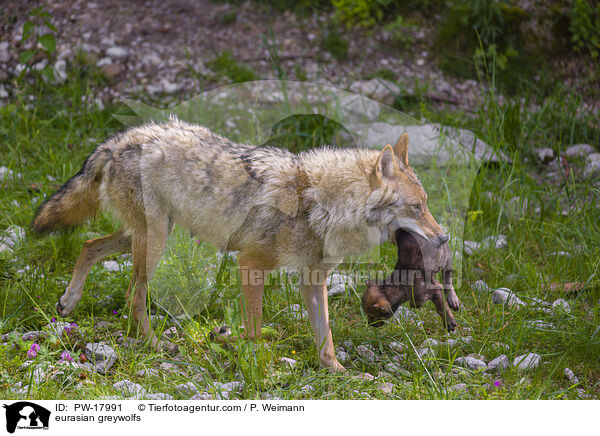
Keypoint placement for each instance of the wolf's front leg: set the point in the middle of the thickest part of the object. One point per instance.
(314, 292)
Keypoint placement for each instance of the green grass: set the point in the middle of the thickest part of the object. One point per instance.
(52, 133)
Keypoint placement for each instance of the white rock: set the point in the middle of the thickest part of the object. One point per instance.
(366, 352)
(499, 364)
(342, 356)
(571, 376)
(203, 397)
(507, 297)
(364, 376)
(426, 352)
(592, 167)
(430, 342)
(3, 92)
(60, 71)
(225, 389)
(562, 305)
(459, 387)
(290, 362)
(171, 333)
(539, 324)
(337, 283)
(471, 363)
(4, 53)
(386, 387)
(481, 287)
(117, 52)
(471, 247)
(377, 89)
(101, 356)
(579, 150)
(188, 388)
(111, 265)
(104, 61)
(527, 361)
(397, 346)
(148, 372)
(6, 174)
(11, 237)
(545, 154)
(157, 396)
(359, 109)
(128, 388)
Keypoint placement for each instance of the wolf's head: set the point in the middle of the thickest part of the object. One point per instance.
(397, 199)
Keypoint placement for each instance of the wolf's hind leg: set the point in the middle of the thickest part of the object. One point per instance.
(148, 245)
(93, 251)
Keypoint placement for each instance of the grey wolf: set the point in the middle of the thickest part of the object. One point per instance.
(414, 280)
(275, 208)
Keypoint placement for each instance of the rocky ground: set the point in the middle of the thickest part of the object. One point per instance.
(164, 49)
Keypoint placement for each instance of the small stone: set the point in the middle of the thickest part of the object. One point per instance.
(148, 372)
(158, 396)
(366, 353)
(117, 52)
(386, 387)
(128, 388)
(337, 283)
(430, 342)
(188, 388)
(342, 356)
(60, 71)
(527, 361)
(171, 333)
(290, 362)
(561, 304)
(571, 376)
(225, 389)
(507, 297)
(471, 247)
(111, 71)
(579, 150)
(459, 387)
(397, 346)
(202, 397)
(539, 324)
(101, 356)
(365, 376)
(111, 265)
(104, 61)
(471, 363)
(426, 352)
(477, 356)
(545, 154)
(592, 168)
(500, 363)
(481, 287)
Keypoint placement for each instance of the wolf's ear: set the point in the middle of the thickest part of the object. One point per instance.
(385, 167)
(401, 149)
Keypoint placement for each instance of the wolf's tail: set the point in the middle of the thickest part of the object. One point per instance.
(76, 200)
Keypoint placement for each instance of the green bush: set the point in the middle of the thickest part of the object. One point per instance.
(585, 27)
(336, 45)
(225, 65)
(362, 13)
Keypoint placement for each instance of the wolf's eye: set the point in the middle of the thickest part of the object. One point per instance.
(417, 206)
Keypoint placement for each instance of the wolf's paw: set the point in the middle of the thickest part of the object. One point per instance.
(335, 367)
(62, 309)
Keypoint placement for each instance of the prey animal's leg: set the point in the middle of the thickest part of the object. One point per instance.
(93, 251)
(441, 307)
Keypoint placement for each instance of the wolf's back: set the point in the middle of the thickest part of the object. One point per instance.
(76, 200)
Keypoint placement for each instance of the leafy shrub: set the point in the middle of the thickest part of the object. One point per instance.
(38, 29)
(336, 45)
(585, 27)
(401, 32)
(362, 13)
(225, 65)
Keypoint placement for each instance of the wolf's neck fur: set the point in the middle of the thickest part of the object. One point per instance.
(336, 198)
